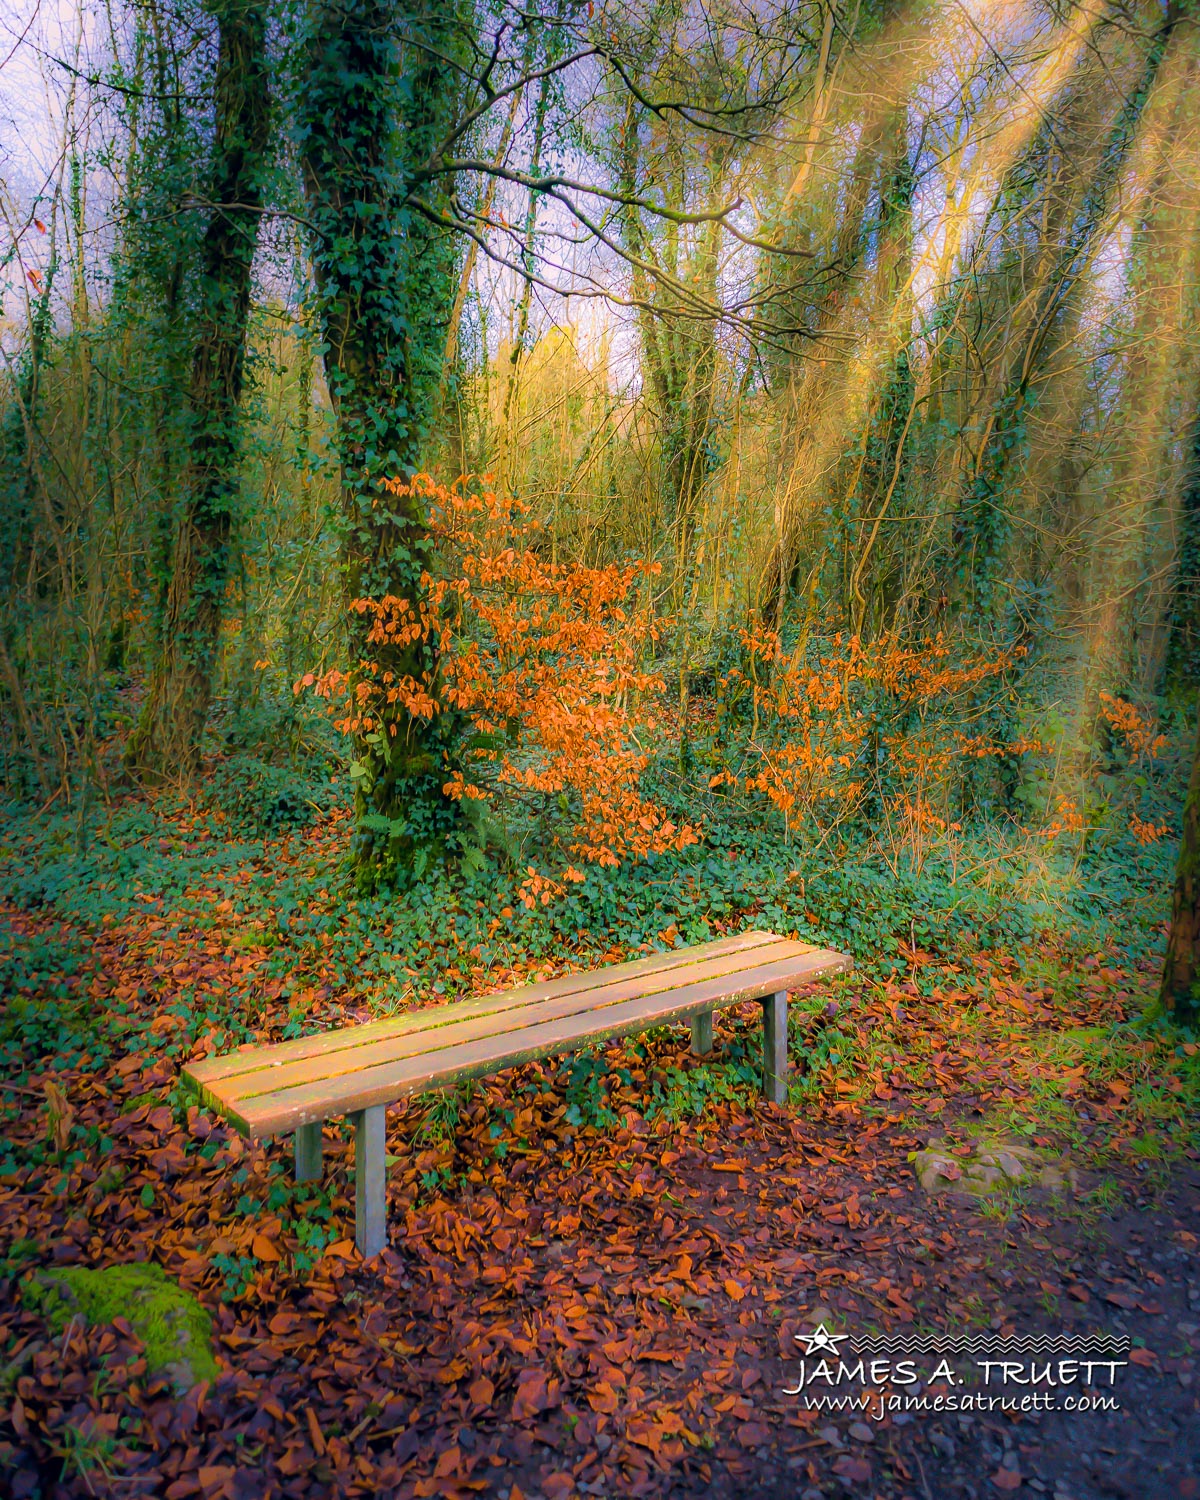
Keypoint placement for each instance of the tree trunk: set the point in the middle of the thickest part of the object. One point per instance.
(168, 736)
(385, 279)
(524, 305)
(1180, 994)
(810, 382)
(1182, 668)
(874, 577)
(679, 354)
(1073, 219)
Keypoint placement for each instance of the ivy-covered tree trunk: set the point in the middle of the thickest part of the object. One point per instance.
(874, 583)
(1181, 974)
(378, 96)
(679, 353)
(166, 741)
(1182, 667)
(851, 244)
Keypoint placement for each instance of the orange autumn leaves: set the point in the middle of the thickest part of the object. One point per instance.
(540, 658)
(541, 664)
(823, 728)
(1143, 743)
(815, 737)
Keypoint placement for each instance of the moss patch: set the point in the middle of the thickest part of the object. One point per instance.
(175, 1329)
(993, 1166)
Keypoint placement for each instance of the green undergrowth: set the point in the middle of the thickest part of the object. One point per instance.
(44, 1005)
(258, 856)
(291, 893)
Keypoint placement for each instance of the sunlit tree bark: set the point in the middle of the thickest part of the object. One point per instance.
(1071, 210)
(874, 577)
(678, 349)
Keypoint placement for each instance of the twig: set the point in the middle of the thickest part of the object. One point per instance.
(68, 1331)
(19, 1088)
(53, 797)
(924, 1481)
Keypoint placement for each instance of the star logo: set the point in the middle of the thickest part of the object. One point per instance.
(821, 1341)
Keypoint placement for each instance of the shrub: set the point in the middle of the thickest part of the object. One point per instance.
(540, 662)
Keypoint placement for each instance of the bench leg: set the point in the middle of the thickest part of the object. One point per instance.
(702, 1034)
(308, 1153)
(775, 1054)
(370, 1186)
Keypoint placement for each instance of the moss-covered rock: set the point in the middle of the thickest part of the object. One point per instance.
(175, 1329)
(993, 1165)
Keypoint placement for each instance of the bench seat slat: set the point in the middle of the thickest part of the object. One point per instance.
(287, 1109)
(213, 1070)
(717, 972)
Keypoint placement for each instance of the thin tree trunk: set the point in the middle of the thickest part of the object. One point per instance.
(847, 253)
(882, 481)
(168, 737)
(484, 213)
(521, 331)
(1182, 668)
(1180, 993)
(981, 527)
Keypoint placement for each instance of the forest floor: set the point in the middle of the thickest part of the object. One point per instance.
(598, 1271)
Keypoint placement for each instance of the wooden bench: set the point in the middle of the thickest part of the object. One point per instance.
(294, 1086)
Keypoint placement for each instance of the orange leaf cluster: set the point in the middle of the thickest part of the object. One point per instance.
(813, 721)
(1067, 819)
(1146, 832)
(541, 658)
(1139, 733)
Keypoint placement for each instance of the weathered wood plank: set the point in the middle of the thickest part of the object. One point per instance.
(721, 974)
(212, 1070)
(272, 1114)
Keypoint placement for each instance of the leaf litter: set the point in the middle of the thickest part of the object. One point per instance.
(590, 1289)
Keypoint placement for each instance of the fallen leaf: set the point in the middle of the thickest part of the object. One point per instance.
(448, 1461)
(531, 1396)
(61, 1115)
(215, 1476)
(341, 1250)
(602, 1398)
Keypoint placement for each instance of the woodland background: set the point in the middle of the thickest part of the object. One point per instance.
(836, 369)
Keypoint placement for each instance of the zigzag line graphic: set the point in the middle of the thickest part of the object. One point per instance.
(979, 1341)
(1097, 1343)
